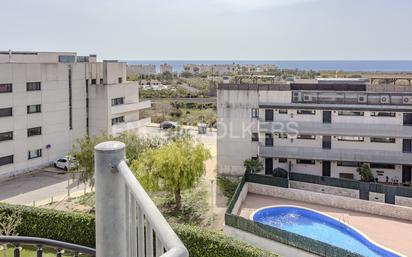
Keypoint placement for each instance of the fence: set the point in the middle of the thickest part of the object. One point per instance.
(127, 221)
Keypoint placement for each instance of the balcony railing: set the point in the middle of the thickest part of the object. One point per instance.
(41, 243)
(128, 223)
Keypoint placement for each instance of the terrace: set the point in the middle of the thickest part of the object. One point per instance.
(349, 202)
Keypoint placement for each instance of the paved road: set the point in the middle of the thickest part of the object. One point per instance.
(40, 186)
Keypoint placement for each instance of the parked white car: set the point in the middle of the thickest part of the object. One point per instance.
(65, 163)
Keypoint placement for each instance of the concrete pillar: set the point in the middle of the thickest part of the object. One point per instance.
(111, 240)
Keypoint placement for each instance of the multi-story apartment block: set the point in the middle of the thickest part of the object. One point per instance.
(166, 68)
(48, 100)
(220, 69)
(327, 127)
(141, 69)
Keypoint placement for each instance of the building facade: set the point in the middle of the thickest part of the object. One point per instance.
(141, 69)
(328, 128)
(49, 100)
(166, 68)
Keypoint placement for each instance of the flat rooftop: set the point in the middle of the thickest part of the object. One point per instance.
(388, 232)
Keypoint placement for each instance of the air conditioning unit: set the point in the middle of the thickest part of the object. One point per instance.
(307, 98)
(385, 99)
(297, 96)
(407, 100)
(362, 99)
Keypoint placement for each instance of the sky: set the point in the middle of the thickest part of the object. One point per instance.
(211, 29)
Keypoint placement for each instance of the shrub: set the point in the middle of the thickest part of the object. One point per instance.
(227, 186)
(79, 228)
(76, 228)
(203, 242)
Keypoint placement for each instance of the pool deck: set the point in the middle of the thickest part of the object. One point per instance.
(391, 233)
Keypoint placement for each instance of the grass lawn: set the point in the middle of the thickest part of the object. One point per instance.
(29, 251)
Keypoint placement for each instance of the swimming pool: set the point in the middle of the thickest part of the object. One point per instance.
(318, 226)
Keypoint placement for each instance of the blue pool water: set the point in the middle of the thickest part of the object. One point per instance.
(320, 227)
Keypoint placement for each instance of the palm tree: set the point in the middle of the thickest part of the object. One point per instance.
(253, 165)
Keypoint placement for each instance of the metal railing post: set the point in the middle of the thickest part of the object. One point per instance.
(111, 240)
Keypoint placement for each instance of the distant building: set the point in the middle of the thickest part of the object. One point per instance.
(153, 85)
(141, 69)
(48, 100)
(166, 68)
(325, 127)
(220, 69)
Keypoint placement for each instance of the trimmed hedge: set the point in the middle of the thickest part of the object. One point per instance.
(76, 228)
(79, 228)
(203, 242)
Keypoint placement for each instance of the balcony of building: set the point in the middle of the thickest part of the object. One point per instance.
(128, 223)
(336, 129)
(129, 125)
(130, 107)
(351, 155)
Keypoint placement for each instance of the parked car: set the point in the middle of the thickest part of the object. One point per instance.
(65, 163)
(168, 125)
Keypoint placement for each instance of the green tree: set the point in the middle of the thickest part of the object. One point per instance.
(174, 167)
(253, 165)
(365, 173)
(83, 151)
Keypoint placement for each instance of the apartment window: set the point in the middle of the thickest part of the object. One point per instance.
(383, 114)
(6, 88)
(120, 80)
(349, 164)
(308, 137)
(93, 81)
(283, 160)
(6, 160)
(101, 81)
(5, 112)
(33, 108)
(268, 114)
(34, 154)
(255, 137)
(268, 139)
(4, 136)
(350, 113)
(306, 112)
(382, 140)
(33, 86)
(351, 139)
(382, 166)
(67, 58)
(302, 161)
(283, 111)
(255, 113)
(117, 101)
(34, 131)
(118, 120)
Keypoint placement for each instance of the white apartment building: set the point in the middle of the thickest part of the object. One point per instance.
(328, 128)
(48, 100)
(166, 68)
(141, 69)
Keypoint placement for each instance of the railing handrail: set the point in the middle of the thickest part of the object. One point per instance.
(47, 242)
(159, 224)
(128, 223)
